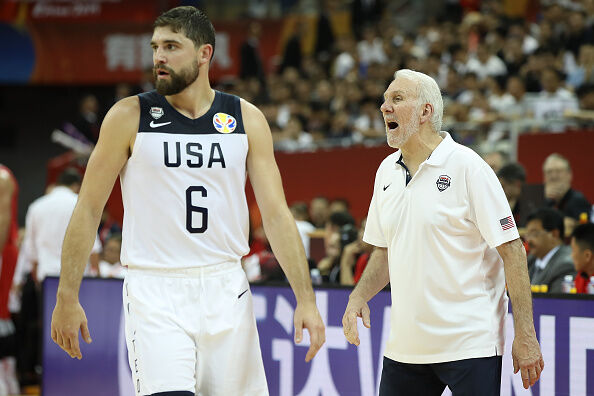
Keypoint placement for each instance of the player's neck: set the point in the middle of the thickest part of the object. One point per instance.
(420, 146)
(196, 99)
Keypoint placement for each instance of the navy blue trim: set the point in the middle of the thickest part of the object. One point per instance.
(408, 176)
(173, 122)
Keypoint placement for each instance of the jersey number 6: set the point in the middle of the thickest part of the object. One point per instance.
(191, 209)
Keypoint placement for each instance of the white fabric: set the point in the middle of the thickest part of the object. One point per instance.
(193, 330)
(493, 67)
(107, 270)
(542, 263)
(155, 230)
(305, 228)
(46, 223)
(447, 279)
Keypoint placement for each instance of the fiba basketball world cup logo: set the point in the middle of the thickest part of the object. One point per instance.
(443, 182)
(224, 122)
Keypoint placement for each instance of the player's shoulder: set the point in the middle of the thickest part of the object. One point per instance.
(249, 109)
(125, 107)
(6, 180)
(123, 118)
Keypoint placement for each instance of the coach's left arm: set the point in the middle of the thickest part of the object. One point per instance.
(280, 226)
(526, 354)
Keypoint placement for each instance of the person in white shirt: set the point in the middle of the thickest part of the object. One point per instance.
(46, 222)
(550, 259)
(446, 242)
(110, 266)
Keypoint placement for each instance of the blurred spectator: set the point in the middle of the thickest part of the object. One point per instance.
(46, 222)
(109, 265)
(496, 159)
(553, 100)
(319, 211)
(486, 64)
(340, 205)
(249, 55)
(369, 124)
(354, 258)
(549, 260)
(299, 211)
(583, 72)
(371, 48)
(332, 258)
(582, 253)
(512, 177)
(585, 94)
(292, 54)
(520, 108)
(347, 59)
(8, 259)
(578, 32)
(87, 121)
(559, 194)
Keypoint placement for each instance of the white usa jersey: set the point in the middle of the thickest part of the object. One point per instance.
(183, 187)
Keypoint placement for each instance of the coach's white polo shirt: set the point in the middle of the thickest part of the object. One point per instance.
(441, 231)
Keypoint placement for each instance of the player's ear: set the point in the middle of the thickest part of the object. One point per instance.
(205, 53)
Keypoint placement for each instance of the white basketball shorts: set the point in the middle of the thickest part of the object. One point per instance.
(193, 330)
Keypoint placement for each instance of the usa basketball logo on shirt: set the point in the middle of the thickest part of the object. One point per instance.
(443, 182)
(224, 122)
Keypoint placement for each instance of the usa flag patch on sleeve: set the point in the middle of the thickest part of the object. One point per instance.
(507, 223)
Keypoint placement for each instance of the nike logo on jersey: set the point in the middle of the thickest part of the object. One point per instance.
(386, 187)
(153, 124)
(245, 291)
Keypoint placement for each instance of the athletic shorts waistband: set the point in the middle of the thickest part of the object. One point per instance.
(193, 272)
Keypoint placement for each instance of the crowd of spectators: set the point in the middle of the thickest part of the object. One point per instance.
(499, 75)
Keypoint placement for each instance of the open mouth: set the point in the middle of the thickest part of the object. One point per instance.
(162, 73)
(392, 124)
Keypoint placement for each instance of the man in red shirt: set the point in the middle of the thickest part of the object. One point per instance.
(8, 259)
(582, 254)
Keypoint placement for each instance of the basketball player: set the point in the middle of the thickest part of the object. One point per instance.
(8, 259)
(182, 153)
(446, 241)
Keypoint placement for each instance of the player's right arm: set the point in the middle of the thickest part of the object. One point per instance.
(116, 140)
(375, 277)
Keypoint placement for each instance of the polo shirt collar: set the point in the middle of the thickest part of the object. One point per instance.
(442, 151)
(439, 155)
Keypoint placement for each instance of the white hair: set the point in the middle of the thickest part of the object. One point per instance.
(427, 92)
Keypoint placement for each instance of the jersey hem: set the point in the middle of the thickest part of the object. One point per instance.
(494, 350)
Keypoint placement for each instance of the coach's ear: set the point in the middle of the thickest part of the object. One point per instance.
(426, 113)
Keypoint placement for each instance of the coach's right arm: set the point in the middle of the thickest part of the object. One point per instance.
(113, 149)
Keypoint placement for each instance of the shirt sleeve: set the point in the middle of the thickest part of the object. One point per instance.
(490, 210)
(373, 231)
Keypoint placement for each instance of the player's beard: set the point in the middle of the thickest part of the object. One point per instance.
(177, 81)
(398, 138)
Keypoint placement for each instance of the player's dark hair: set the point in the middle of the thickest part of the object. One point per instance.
(190, 21)
(584, 236)
(551, 219)
(512, 172)
(69, 177)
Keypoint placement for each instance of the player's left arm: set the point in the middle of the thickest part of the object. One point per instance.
(280, 226)
(6, 190)
(526, 353)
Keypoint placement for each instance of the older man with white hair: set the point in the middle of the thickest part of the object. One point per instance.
(445, 239)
